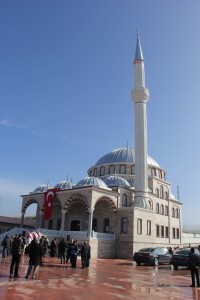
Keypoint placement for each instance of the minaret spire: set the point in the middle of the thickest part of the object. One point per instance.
(140, 96)
(138, 51)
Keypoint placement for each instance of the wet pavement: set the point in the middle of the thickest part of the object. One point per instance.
(106, 279)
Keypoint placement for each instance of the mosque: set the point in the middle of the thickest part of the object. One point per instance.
(124, 204)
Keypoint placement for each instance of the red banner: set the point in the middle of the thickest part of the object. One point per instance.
(48, 204)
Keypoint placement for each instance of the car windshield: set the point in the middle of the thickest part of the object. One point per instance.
(183, 251)
(148, 250)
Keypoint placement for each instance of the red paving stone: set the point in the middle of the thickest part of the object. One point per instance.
(106, 279)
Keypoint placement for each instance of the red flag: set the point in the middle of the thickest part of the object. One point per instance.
(48, 204)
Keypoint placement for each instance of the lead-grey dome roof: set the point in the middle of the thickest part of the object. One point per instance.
(115, 180)
(123, 155)
(65, 185)
(42, 189)
(88, 181)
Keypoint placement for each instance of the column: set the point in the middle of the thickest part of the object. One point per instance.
(22, 219)
(90, 210)
(63, 211)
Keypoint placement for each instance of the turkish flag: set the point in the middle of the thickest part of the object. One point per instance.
(48, 204)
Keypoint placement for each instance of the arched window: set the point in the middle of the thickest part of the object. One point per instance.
(166, 210)
(177, 213)
(157, 208)
(161, 192)
(124, 200)
(157, 192)
(123, 169)
(111, 169)
(166, 195)
(173, 212)
(162, 209)
(150, 204)
(95, 172)
(153, 172)
(102, 170)
(133, 170)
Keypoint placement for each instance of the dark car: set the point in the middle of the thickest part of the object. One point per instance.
(153, 256)
(181, 258)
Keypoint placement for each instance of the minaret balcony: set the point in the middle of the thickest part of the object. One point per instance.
(140, 94)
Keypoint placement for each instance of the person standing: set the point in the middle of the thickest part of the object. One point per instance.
(17, 250)
(35, 255)
(85, 255)
(6, 246)
(194, 261)
(73, 254)
(62, 248)
(53, 248)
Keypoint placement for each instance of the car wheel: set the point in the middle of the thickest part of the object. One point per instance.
(138, 263)
(175, 267)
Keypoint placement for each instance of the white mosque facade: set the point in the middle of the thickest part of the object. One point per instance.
(124, 204)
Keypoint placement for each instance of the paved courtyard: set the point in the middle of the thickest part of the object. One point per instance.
(105, 279)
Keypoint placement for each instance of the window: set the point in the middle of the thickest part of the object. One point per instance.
(133, 170)
(153, 172)
(123, 169)
(162, 209)
(161, 192)
(124, 200)
(50, 224)
(58, 224)
(157, 230)
(124, 225)
(150, 204)
(94, 225)
(111, 169)
(95, 172)
(148, 227)
(106, 225)
(174, 233)
(157, 208)
(160, 174)
(162, 231)
(139, 226)
(166, 210)
(177, 233)
(173, 212)
(166, 232)
(157, 193)
(177, 213)
(166, 195)
(102, 170)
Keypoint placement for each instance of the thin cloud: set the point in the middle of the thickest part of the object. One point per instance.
(7, 123)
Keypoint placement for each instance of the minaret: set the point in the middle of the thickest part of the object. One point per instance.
(140, 96)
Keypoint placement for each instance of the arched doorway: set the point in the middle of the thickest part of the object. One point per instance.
(75, 225)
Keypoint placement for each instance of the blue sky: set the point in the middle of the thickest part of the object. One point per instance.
(66, 75)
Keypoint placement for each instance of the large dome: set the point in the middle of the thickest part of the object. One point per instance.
(95, 181)
(123, 155)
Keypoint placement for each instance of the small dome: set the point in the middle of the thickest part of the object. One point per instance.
(65, 185)
(115, 180)
(88, 181)
(123, 155)
(42, 189)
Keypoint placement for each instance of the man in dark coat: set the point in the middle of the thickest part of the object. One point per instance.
(85, 255)
(35, 254)
(17, 251)
(194, 267)
(62, 249)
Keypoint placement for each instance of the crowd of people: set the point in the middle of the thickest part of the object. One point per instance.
(40, 247)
